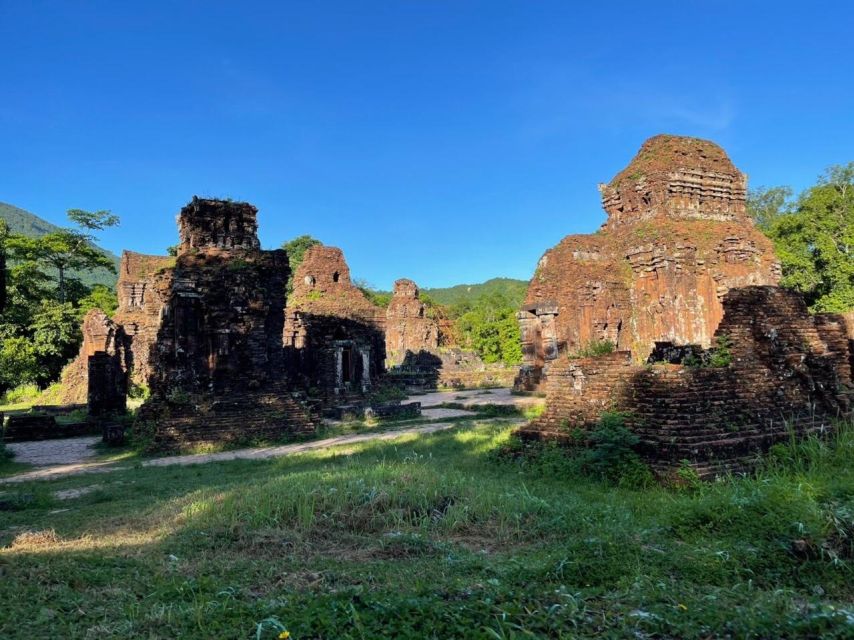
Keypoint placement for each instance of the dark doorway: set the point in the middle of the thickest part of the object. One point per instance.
(346, 364)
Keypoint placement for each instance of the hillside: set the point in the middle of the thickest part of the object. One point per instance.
(28, 224)
(513, 290)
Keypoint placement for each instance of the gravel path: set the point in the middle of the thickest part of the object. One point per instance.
(258, 453)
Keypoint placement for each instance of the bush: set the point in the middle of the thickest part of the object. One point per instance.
(22, 394)
(605, 453)
(387, 394)
(138, 391)
(595, 348)
(611, 455)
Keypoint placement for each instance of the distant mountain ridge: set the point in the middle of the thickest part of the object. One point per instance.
(512, 289)
(24, 223)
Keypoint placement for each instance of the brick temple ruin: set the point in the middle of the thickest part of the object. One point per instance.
(227, 355)
(334, 336)
(675, 279)
(676, 275)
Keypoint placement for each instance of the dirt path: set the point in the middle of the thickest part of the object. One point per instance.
(259, 453)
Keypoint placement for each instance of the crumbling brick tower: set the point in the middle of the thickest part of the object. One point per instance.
(217, 365)
(409, 329)
(676, 240)
(143, 289)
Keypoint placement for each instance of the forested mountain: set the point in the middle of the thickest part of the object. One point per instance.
(25, 223)
(512, 290)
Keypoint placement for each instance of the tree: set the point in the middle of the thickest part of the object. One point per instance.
(100, 297)
(766, 204)
(55, 338)
(68, 249)
(39, 327)
(296, 249)
(815, 242)
(4, 234)
(489, 327)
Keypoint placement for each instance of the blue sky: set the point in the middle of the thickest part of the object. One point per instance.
(445, 141)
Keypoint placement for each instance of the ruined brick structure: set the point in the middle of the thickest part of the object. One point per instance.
(790, 372)
(203, 330)
(333, 335)
(409, 329)
(107, 385)
(143, 288)
(217, 366)
(676, 240)
(217, 225)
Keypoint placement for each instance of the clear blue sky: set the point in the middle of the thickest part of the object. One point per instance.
(445, 141)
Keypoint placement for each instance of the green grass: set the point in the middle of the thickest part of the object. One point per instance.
(431, 537)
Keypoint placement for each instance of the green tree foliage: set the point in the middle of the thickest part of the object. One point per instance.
(814, 237)
(488, 326)
(4, 235)
(99, 297)
(766, 204)
(296, 249)
(69, 249)
(38, 353)
(24, 223)
(379, 298)
(45, 298)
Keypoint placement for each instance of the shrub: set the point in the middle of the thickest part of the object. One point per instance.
(138, 391)
(595, 348)
(387, 394)
(24, 393)
(721, 354)
(606, 453)
(611, 455)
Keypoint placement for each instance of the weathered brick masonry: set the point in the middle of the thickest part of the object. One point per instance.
(790, 373)
(677, 238)
(333, 335)
(217, 366)
(143, 289)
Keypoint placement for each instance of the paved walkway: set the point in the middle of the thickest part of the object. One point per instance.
(257, 453)
(54, 452)
(471, 397)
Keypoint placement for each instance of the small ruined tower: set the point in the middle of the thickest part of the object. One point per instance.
(214, 225)
(408, 328)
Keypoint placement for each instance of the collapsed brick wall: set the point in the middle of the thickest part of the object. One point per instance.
(677, 238)
(333, 335)
(790, 372)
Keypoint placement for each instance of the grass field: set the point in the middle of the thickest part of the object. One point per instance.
(434, 537)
